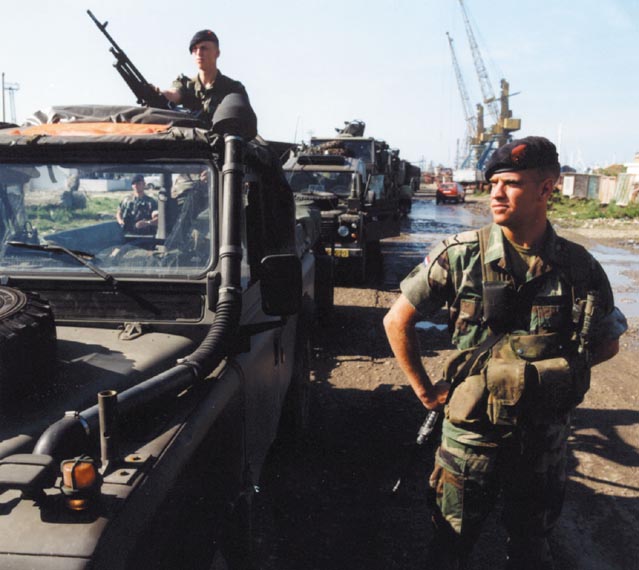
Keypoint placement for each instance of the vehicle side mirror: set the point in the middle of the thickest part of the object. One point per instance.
(281, 284)
(235, 116)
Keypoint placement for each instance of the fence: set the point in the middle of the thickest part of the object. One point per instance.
(622, 190)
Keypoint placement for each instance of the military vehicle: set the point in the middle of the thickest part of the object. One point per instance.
(409, 180)
(354, 181)
(143, 377)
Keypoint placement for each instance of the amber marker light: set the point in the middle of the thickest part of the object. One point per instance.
(80, 482)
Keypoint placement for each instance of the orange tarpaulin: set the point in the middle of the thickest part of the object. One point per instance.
(89, 129)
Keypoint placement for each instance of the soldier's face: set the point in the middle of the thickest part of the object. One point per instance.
(518, 198)
(138, 187)
(205, 55)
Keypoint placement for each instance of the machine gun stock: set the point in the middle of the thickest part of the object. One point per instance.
(145, 92)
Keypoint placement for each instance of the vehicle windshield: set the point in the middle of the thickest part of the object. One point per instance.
(357, 148)
(320, 181)
(127, 219)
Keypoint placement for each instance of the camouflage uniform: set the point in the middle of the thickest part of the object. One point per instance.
(197, 97)
(134, 209)
(524, 457)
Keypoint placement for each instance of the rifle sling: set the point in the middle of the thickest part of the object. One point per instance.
(493, 338)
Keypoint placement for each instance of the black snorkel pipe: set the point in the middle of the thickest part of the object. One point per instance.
(71, 435)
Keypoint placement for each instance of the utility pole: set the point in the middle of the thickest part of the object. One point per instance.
(11, 88)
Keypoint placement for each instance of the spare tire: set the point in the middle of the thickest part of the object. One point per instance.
(27, 343)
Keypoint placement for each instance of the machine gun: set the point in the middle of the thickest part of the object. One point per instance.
(145, 92)
(586, 329)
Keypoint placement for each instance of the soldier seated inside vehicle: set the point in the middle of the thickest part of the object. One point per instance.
(138, 213)
(190, 195)
(180, 225)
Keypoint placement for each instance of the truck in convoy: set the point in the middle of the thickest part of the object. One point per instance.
(409, 181)
(144, 376)
(355, 183)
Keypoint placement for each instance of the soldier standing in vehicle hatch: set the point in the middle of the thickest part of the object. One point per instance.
(530, 313)
(204, 92)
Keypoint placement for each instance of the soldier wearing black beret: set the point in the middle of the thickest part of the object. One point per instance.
(523, 154)
(204, 92)
(517, 295)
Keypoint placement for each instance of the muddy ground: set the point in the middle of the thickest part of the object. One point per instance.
(327, 504)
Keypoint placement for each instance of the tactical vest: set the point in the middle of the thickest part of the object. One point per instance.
(512, 374)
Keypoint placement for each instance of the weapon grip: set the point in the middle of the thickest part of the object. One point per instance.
(589, 312)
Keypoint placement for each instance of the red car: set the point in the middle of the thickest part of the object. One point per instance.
(452, 191)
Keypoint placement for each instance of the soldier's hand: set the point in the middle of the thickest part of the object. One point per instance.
(435, 397)
(143, 224)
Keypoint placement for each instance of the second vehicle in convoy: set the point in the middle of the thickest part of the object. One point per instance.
(355, 183)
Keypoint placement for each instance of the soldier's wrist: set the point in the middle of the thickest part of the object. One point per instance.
(425, 391)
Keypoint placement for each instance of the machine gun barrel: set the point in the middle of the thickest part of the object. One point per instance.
(145, 93)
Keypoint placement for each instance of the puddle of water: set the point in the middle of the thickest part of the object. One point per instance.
(427, 217)
(622, 269)
(427, 326)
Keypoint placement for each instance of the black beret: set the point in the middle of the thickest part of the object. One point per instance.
(203, 36)
(137, 178)
(522, 154)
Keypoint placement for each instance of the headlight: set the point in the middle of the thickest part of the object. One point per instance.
(342, 231)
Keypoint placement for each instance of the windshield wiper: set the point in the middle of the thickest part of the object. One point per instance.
(81, 257)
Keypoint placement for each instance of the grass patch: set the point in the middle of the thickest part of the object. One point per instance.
(580, 209)
(54, 217)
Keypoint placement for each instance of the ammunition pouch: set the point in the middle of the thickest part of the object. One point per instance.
(467, 403)
(498, 300)
(535, 376)
(558, 385)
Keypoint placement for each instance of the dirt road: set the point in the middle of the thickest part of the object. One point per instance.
(327, 505)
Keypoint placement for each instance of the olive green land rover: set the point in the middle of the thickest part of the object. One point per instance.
(145, 374)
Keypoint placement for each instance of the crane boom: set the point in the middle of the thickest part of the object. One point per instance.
(468, 113)
(484, 81)
(471, 121)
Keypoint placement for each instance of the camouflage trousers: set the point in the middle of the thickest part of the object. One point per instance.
(526, 464)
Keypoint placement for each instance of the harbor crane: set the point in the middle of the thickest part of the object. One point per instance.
(481, 142)
(484, 81)
(499, 109)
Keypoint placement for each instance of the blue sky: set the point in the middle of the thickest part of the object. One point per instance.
(310, 66)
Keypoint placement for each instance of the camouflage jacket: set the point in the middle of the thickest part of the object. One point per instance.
(197, 97)
(134, 209)
(451, 274)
